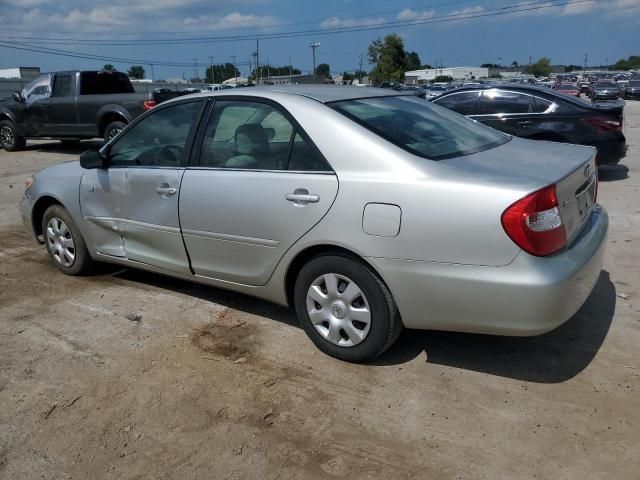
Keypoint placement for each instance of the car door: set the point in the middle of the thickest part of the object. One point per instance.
(131, 207)
(35, 107)
(516, 113)
(259, 185)
(63, 109)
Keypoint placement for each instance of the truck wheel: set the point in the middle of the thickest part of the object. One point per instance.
(9, 138)
(113, 129)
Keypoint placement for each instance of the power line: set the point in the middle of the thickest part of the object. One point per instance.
(309, 22)
(506, 10)
(517, 8)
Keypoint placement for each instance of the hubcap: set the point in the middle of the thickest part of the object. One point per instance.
(7, 136)
(60, 242)
(113, 132)
(338, 310)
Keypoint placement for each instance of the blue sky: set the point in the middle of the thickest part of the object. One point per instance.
(605, 29)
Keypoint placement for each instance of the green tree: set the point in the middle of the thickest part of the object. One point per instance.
(390, 59)
(269, 71)
(631, 63)
(136, 71)
(541, 68)
(413, 61)
(220, 72)
(108, 66)
(515, 64)
(443, 78)
(490, 65)
(323, 70)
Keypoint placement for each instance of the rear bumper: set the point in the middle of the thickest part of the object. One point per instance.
(610, 152)
(530, 296)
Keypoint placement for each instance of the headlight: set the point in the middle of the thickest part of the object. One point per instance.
(27, 183)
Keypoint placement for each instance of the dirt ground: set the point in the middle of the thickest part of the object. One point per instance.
(129, 375)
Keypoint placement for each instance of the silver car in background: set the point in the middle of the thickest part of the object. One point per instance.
(364, 210)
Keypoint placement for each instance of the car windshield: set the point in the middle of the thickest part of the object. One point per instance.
(438, 87)
(605, 85)
(421, 128)
(634, 84)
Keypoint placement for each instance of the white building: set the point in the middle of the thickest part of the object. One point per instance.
(415, 77)
(23, 73)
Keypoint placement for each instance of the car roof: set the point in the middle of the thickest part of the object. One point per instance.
(321, 93)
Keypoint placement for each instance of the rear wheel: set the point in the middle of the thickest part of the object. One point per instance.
(9, 138)
(113, 129)
(345, 309)
(65, 245)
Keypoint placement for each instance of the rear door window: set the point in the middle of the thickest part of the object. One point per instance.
(61, 86)
(494, 102)
(463, 103)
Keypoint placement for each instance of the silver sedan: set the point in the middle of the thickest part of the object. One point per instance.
(365, 211)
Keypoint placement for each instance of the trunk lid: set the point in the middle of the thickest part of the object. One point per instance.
(529, 165)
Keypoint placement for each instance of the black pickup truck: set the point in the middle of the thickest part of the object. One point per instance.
(70, 106)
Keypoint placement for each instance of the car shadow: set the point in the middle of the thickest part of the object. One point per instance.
(226, 298)
(55, 146)
(553, 357)
(609, 173)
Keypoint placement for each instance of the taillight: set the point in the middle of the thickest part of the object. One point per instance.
(604, 124)
(534, 223)
(149, 104)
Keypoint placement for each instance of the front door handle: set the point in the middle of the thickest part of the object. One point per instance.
(166, 191)
(525, 122)
(302, 197)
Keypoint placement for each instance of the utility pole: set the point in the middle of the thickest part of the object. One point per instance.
(313, 46)
(290, 69)
(586, 59)
(360, 70)
(195, 69)
(213, 77)
(258, 59)
(153, 77)
(235, 75)
(606, 64)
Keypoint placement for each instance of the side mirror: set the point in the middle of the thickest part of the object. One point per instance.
(93, 159)
(17, 96)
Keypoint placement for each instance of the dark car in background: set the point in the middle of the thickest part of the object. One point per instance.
(568, 89)
(70, 106)
(631, 90)
(543, 114)
(605, 91)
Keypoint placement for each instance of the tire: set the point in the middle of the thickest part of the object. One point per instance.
(58, 228)
(9, 138)
(344, 310)
(113, 129)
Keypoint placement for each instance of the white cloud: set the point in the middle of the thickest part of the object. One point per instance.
(578, 8)
(337, 22)
(408, 14)
(228, 22)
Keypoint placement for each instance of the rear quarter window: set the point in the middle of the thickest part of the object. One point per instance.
(104, 83)
(420, 127)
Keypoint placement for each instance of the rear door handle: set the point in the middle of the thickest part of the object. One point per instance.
(525, 122)
(302, 198)
(166, 191)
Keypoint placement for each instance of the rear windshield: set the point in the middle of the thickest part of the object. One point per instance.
(100, 83)
(420, 127)
(605, 84)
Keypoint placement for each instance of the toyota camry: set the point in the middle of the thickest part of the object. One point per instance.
(365, 211)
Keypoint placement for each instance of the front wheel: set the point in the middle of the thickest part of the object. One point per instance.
(9, 138)
(65, 245)
(345, 308)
